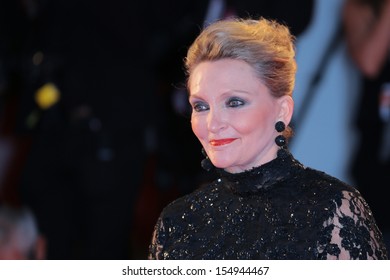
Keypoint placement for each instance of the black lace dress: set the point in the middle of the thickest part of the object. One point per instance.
(280, 210)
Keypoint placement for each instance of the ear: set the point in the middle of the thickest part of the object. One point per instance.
(286, 105)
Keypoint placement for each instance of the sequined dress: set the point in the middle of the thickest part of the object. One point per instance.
(280, 210)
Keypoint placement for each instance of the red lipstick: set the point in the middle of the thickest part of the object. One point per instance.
(221, 142)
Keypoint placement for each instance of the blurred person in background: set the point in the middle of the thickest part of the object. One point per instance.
(326, 78)
(20, 238)
(367, 32)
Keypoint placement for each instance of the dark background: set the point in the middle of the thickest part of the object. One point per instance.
(98, 166)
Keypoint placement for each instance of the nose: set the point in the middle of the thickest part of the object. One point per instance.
(215, 121)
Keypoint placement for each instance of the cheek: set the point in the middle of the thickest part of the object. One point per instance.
(251, 123)
(198, 127)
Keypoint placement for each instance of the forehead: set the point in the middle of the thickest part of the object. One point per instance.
(223, 75)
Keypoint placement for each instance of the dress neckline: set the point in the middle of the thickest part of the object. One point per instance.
(261, 177)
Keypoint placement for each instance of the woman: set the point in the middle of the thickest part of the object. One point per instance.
(264, 203)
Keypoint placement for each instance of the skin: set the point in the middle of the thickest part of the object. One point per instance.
(367, 36)
(234, 114)
(11, 250)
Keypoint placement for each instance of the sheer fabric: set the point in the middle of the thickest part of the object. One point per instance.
(280, 210)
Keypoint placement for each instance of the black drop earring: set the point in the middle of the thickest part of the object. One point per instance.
(280, 140)
(206, 163)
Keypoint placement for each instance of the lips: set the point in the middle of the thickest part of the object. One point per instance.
(221, 142)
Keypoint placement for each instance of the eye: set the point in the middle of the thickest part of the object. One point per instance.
(235, 102)
(200, 106)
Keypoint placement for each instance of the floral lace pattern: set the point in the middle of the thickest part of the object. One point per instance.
(280, 210)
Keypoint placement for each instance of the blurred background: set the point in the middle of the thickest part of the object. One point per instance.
(95, 137)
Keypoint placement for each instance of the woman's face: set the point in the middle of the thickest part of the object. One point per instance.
(233, 114)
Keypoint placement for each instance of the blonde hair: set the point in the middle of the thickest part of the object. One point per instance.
(266, 45)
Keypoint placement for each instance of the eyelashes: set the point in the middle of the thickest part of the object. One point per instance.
(200, 106)
(233, 102)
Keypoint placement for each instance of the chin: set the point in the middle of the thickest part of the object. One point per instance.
(221, 163)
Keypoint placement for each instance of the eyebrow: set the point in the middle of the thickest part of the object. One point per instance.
(223, 94)
(194, 96)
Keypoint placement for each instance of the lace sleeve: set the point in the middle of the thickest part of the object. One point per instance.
(353, 231)
(156, 245)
